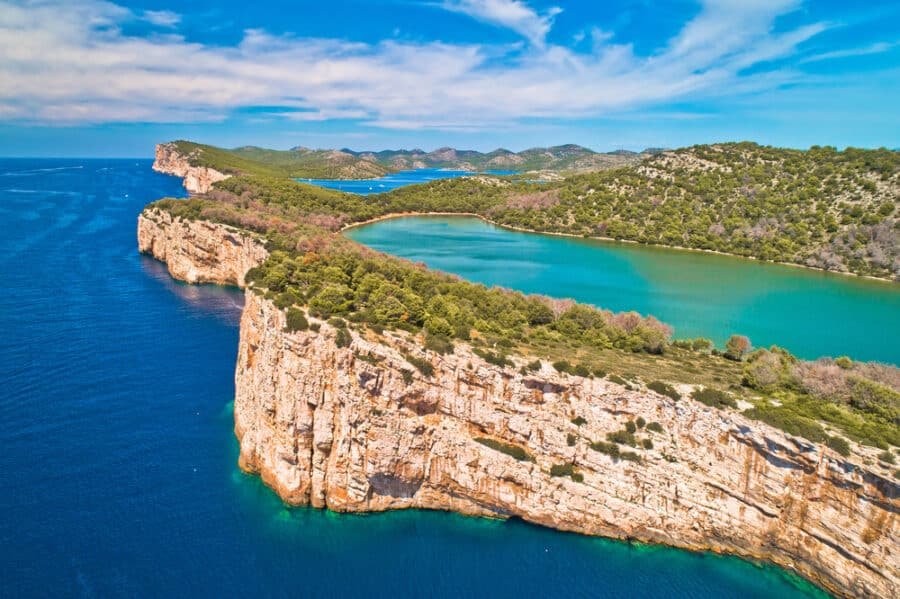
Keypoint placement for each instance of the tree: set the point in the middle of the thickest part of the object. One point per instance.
(736, 347)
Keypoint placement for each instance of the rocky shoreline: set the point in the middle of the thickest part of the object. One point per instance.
(360, 428)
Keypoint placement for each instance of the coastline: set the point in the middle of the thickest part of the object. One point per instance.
(393, 215)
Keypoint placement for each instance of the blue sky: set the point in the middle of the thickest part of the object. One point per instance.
(97, 78)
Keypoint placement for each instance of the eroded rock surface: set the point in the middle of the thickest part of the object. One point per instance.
(199, 251)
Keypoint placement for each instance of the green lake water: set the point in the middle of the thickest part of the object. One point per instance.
(811, 313)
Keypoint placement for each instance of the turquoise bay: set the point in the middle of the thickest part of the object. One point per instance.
(811, 313)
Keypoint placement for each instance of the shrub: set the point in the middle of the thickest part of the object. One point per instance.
(438, 344)
(654, 427)
(630, 456)
(315, 327)
(844, 362)
(296, 320)
(571, 440)
(343, 338)
(640, 422)
(887, 457)
(631, 427)
(614, 378)
(423, 366)
(789, 422)
(622, 437)
(533, 366)
(647, 443)
(578, 421)
(562, 366)
(564, 470)
(736, 347)
(509, 449)
(407, 376)
(497, 359)
(599, 373)
(713, 398)
(664, 389)
(839, 444)
(610, 449)
(581, 370)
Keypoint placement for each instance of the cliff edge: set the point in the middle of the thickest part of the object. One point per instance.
(365, 427)
(197, 179)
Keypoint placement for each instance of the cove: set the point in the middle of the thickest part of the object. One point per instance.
(395, 180)
(811, 313)
(119, 459)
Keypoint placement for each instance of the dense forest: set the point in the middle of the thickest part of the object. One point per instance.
(316, 275)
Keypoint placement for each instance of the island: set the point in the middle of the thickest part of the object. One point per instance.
(368, 383)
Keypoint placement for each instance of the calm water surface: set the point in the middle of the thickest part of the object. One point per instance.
(811, 313)
(118, 471)
(395, 180)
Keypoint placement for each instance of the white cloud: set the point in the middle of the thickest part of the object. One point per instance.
(69, 63)
(162, 18)
(511, 14)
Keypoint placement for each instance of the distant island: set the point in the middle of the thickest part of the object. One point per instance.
(367, 383)
(305, 163)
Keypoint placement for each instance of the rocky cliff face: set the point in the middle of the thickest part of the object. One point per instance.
(199, 251)
(361, 429)
(197, 179)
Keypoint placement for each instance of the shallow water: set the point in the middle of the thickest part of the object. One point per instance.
(811, 313)
(395, 180)
(118, 470)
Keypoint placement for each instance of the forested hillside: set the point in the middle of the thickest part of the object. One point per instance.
(820, 208)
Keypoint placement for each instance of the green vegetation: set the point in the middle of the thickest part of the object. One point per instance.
(423, 366)
(571, 440)
(566, 470)
(579, 421)
(509, 449)
(612, 450)
(714, 398)
(654, 427)
(664, 389)
(296, 320)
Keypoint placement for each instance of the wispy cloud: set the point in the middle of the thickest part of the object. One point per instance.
(70, 63)
(511, 14)
(876, 48)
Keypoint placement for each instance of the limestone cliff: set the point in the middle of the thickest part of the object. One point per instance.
(359, 428)
(199, 251)
(197, 179)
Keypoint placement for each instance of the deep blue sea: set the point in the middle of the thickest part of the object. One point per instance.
(395, 180)
(118, 471)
